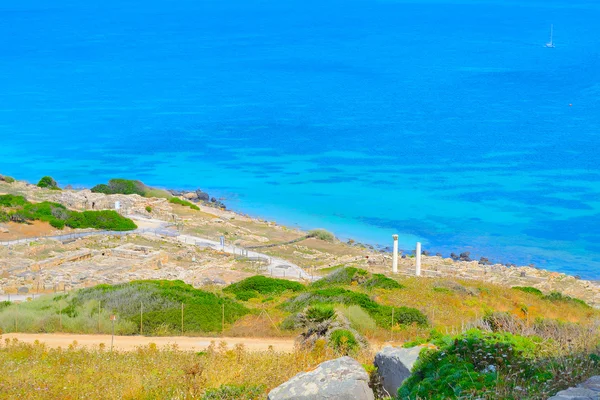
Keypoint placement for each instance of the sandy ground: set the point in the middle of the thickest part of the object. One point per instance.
(32, 229)
(131, 342)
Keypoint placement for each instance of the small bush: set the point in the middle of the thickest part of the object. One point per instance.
(9, 200)
(344, 342)
(255, 285)
(9, 179)
(121, 186)
(470, 366)
(322, 234)
(246, 295)
(49, 183)
(185, 203)
(529, 289)
(557, 296)
(380, 313)
(319, 313)
(148, 209)
(383, 282)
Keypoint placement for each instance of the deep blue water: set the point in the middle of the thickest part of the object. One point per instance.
(447, 122)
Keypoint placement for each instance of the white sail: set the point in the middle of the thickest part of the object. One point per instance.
(551, 42)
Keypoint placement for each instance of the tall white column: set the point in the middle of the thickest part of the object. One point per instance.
(418, 258)
(395, 256)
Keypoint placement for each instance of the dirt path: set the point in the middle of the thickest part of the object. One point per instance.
(131, 342)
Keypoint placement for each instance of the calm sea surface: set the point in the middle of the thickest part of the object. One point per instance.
(446, 122)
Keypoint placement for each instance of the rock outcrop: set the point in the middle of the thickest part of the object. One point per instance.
(588, 390)
(340, 379)
(394, 366)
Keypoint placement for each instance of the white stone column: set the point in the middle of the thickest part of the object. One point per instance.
(418, 258)
(395, 255)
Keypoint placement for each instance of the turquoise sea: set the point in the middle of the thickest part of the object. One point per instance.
(447, 122)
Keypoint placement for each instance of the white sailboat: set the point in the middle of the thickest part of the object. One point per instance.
(550, 44)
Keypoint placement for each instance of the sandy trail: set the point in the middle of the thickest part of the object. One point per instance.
(131, 342)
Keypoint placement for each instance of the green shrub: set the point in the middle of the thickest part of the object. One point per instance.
(235, 392)
(185, 203)
(9, 179)
(322, 234)
(121, 186)
(320, 312)
(343, 276)
(344, 342)
(557, 296)
(383, 282)
(9, 200)
(49, 183)
(380, 313)
(59, 216)
(255, 285)
(472, 366)
(529, 289)
(57, 223)
(148, 209)
(162, 305)
(246, 295)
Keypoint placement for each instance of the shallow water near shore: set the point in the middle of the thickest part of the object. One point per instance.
(446, 122)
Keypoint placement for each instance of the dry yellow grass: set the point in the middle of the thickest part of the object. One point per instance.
(36, 372)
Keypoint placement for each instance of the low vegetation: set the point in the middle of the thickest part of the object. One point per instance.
(258, 285)
(47, 182)
(163, 304)
(149, 372)
(129, 186)
(18, 209)
(185, 203)
(322, 234)
(496, 365)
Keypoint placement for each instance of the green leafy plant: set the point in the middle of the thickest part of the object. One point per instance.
(49, 183)
(185, 203)
(320, 312)
(322, 234)
(261, 285)
(528, 289)
(343, 342)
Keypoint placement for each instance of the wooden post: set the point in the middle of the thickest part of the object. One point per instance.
(141, 318)
(181, 319)
(392, 325)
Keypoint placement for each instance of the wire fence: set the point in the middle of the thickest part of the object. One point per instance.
(182, 319)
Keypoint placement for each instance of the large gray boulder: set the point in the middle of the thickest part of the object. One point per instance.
(588, 390)
(340, 379)
(394, 365)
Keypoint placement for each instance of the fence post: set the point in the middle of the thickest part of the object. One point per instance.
(141, 318)
(392, 326)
